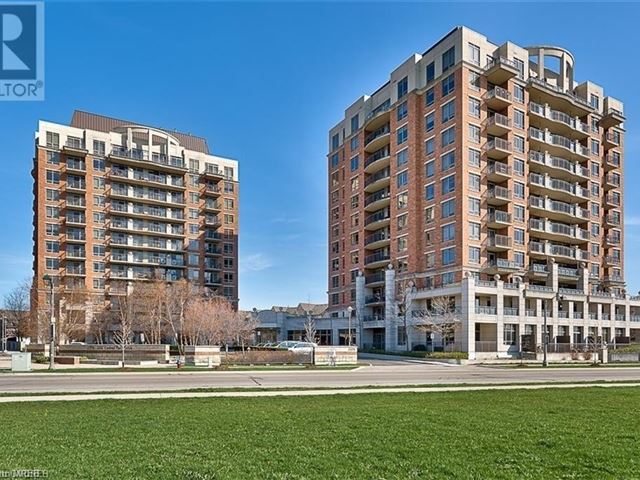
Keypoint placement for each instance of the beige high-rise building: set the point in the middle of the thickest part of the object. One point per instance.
(476, 161)
(117, 202)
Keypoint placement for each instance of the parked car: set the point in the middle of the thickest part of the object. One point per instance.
(286, 344)
(303, 347)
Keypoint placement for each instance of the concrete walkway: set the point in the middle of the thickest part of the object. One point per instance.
(301, 393)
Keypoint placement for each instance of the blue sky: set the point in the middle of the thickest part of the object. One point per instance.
(263, 82)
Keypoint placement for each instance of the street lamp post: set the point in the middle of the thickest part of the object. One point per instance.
(350, 310)
(52, 323)
(4, 333)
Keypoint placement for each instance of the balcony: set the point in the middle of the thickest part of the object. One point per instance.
(213, 172)
(560, 121)
(538, 269)
(377, 139)
(558, 231)
(75, 165)
(612, 240)
(611, 118)
(75, 185)
(376, 299)
(612, 200)
(497, 148)
(612, 220)
(377, 160)
(562, 168)
(558, 98)
(377, 181)
(141, 158)
(571, 273)
(378, 116)
(614, 280)
(75, 145)
(377, 200)
(557, 144)
(560, 189)
(377, 259)
(210, 191)
(497, 125)
(498, 195)
(486, 310)
(375, 278)
(377, 220)
(75, 202)
(612, 261)
(377, 239)
(557, 210)
(612, 180)
(499, 70)
(498, 243)
(498, 219)
(501, 265)
(497, 98)
(498, 172)
(539, 249)
(612, 139)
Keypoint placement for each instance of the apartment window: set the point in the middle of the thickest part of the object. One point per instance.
(53, 140)
(474, 182)
(509, 334)
(98, 147)
(335, 141)
(448, 136)
(430, 191)
(402, 134)
(53, 158)
(448, 59)
(448, 160)
(355, 220)
(194, 180)
(429, 215)
(594, 125)
(474, 107)
(430, 121)
(402, 111)
(429, 169)
(518, 213)
(595, 249)
(474, 254)
(99, 250)
(518, 166)
(52, 263)
(354, 239)
(474, 133)
(428, 237)
(402, 200)
(448, 85)
(595, 169)
(429, 97)
(474, 157)
(98, 183)
(193, 213)
(474, 206)
(474, 53)
(52, 229)
(402, 178)
(448, 184)
(335, 159)
(595, 230)
(355, 142)
(518, 236)
(518, 118)
(595, 209)
(355, 184)
(402, 244)
(402, 157)
(448, 111)
(595, 147)
(518, 143)
(354, 123)
(403, 87)
(52, 195)
(354, 201)
(52, 212)
(448, 208)
(194, 228)
(595, 189)
(430, 146)
(518, 190)
(354, 163)
(99, 218)
(594, 101)
(474, 231)
(98, 200)
(53, 177)
(98, 267)
(430, 259)
(52, 246)
(431, 72)
(448, 232)
(518, 259)
(518, 93)
(402, 222)
(474, 80)
(228, 187)
(98, 234)
(448, 256)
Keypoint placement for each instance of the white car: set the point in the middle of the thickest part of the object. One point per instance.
(286, 344)
(303, 347)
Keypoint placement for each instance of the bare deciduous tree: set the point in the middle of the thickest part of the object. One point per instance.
(406, 292)
(441, 318)
(72, 310)
(310, 332)
(16, 306)
(150, 311)
(122, 311)
(176, 301)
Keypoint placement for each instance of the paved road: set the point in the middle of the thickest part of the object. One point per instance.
(385, 375)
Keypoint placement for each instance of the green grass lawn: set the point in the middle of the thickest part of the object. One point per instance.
(581, 433)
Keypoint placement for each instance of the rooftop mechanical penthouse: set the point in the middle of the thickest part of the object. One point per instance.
(480, 164)
(117, 202)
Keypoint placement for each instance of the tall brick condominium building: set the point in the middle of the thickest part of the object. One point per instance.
(116, 202)
(479, 164)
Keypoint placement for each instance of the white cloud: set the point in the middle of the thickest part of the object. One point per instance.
(285, 220)
(255, 262)
(632, 222)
